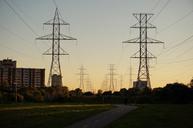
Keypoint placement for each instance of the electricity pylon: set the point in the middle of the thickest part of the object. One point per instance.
(55, 75)
(105, 83)
(82, 74)
(89, 84)
(111, 77)
(143, 54)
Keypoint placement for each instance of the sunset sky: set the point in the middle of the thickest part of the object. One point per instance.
(100, 26)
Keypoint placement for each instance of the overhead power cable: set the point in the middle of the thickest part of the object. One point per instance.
(178, 44)
(55, 3)
(20, 17)
(186, 51)
(179, 61)
(161, 10)
(155, 6)
(177, 21)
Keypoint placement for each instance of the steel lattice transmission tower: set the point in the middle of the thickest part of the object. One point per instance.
(82, 74)
(55, 75)
(111, 77)
(143, 24)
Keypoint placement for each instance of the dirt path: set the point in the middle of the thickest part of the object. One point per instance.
(104, 118)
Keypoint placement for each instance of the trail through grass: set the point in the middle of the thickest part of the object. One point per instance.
(46, 116)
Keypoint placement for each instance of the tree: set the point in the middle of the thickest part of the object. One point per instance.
(123, 92)
(78, 92)
(99, 92)
(191, 83)
(32, 94)
(88, 93)
(107, 93)
(176, 93)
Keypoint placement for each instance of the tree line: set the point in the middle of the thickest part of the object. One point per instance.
(171, 93)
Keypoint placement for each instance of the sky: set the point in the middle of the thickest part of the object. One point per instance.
(100, 26)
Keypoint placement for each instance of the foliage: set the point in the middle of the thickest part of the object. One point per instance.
(171, 93)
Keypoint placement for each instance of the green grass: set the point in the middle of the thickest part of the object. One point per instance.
(157, 116)
(45, 116)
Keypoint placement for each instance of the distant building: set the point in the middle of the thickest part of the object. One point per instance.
(7, 63)
(10, 75)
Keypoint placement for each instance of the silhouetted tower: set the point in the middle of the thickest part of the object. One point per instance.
(130, 75)
(88, 84)
(121, 81)
(82, 74)
(111, 77)
(55, 75)
(143, 78)
(105, 83)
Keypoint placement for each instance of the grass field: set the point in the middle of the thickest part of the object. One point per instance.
(157, 116)
(45, 115)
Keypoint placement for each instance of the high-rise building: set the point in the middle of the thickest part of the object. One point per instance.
(10, 75)
(7, 63)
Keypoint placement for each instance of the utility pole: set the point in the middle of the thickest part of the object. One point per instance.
(143, 77)
(82, 74)
(55, 75)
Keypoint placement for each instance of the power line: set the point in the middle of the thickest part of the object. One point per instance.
(20, 17)
(179, 61)
(161, 10)
(155, 6)
(177, 45)
(186, 51)
(11, 32)
(18, 52)
(177, 21)
(24, 14)
(19, 37)
(55, 3)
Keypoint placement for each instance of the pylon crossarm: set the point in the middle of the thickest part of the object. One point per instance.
(63, 51)
(135, 55)
(135, 40)
(46, 37)
(50, 37)
(51, 22)
(150, 40)
(150, 55)
(55, 54)
(64, 37)
(149, 14)
(47, 52)
(149, 25)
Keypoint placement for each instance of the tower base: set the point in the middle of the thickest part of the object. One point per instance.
(140, 84)
(56, 80)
